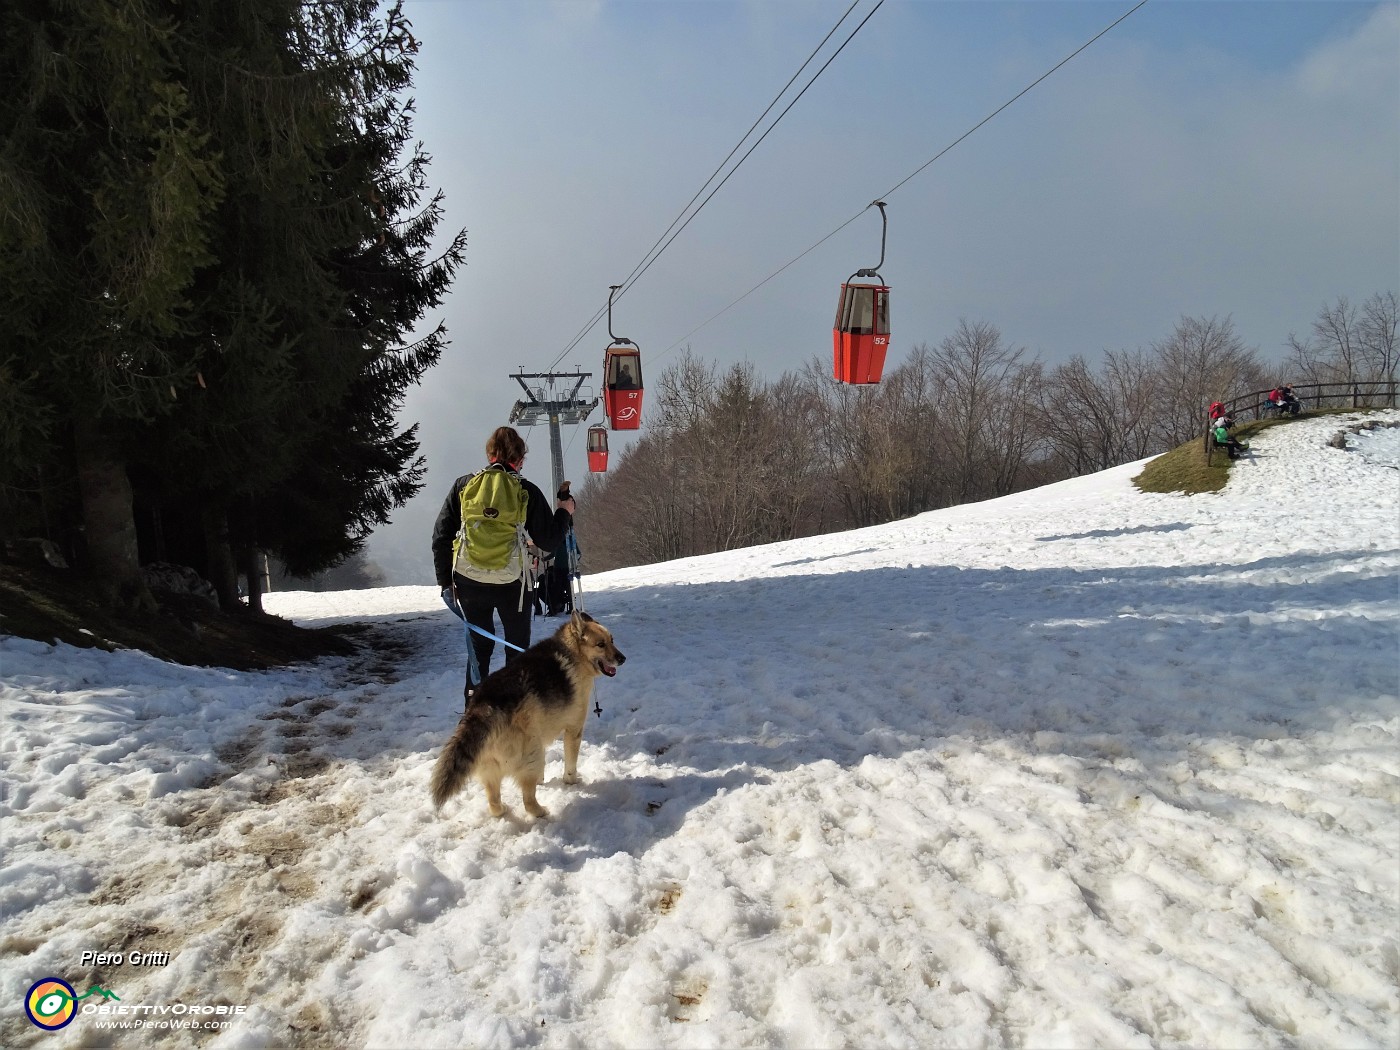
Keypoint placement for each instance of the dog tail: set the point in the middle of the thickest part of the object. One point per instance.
(458, 758)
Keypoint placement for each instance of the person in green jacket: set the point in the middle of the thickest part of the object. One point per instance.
(1224, 439)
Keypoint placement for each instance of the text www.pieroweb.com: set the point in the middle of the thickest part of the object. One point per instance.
(193, 1024)
(179, 1017)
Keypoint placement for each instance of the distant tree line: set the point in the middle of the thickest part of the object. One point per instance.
(728, 460)
(1347, 343)
(215, 236)
(355, 573)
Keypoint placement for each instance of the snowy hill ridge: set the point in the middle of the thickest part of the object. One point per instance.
(1080, 767)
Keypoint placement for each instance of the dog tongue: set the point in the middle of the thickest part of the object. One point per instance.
(610, 670)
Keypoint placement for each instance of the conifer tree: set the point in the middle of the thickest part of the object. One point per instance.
(215, 250)
(106, 186)
(323, 272)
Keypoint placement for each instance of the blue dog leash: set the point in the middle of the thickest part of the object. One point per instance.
(472, 664)
(471, 627)
(471, 649)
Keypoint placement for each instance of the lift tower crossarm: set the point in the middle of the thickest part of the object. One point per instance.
(569, 408)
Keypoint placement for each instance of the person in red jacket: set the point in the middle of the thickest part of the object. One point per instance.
(1283, 400)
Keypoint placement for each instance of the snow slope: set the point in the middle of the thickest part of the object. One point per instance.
(1081, 767)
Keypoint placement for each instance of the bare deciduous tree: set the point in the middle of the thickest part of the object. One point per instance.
(983, 405)
(1347, 345)
(1203, 360)
(1092, 421)
(790, 475)
(1378, 330)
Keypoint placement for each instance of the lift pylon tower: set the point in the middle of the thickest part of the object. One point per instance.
(540, 405)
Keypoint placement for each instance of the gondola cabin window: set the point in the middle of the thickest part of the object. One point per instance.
(625, 373)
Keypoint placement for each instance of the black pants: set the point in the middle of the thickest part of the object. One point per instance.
(561, 597)
(479, 601)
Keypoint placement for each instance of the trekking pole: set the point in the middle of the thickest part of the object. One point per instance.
(575, 577)
(576, 598)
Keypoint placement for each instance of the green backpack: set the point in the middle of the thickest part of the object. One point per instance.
(490, 545)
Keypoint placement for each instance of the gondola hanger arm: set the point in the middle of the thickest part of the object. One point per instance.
(612, 290)
(874, 271)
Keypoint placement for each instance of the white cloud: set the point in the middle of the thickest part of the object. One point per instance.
(1363, 64)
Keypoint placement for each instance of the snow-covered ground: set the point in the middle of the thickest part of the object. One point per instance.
(1081, 767)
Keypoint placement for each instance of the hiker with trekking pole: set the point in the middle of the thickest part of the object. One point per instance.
(480, 556)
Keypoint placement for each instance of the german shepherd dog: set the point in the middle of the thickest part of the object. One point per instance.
(518, 711)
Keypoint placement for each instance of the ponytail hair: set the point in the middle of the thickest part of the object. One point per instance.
(505, 445)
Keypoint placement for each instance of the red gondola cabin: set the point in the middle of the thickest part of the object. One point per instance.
(598, 448)
(861, 336)
(622, 387)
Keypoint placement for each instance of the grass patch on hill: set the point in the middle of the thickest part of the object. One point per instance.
(1184, 469)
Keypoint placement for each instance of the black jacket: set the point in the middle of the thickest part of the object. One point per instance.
(546, 527)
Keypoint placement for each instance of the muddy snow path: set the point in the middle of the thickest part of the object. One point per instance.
(203, 813)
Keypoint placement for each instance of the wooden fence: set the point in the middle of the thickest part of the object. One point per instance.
(1376, 394)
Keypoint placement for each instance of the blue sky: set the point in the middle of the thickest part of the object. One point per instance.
(1202, 159)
